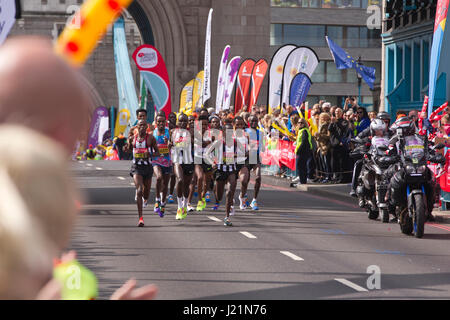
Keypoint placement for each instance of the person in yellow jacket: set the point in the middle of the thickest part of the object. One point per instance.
(304, 151)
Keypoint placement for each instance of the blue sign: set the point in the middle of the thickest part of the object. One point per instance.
(299, 89)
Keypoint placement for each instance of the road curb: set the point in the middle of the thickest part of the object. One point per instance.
(324, 191)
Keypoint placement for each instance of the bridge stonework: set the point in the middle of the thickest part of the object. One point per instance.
(178, 29)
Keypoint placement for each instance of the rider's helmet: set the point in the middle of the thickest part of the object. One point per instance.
(386, 117)
(407, 126)
(377, 128)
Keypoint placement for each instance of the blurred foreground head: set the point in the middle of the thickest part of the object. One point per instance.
(37, 210)
(41, 91)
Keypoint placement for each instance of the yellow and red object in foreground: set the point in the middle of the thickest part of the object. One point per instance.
(80, 37)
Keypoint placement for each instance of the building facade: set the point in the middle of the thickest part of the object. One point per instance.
(253, 29)
(407, 41)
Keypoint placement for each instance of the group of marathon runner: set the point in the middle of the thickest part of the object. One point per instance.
(189, 153)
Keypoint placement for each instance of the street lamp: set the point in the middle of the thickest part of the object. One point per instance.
(359, 82)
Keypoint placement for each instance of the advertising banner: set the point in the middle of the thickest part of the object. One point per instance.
(276, 69)
(153, 69)
(439, 28)
(231, 75)
(186, 97)
(222, 76)
(258, 75)
(302, 59)
(197, 91)
(207, 66)
(98, 120)
(244, 80)
(299, 89)
(123, 117)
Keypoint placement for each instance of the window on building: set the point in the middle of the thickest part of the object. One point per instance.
(327, 4)
(332, 73)
(309, 35)
(314, 35)
(319, 73)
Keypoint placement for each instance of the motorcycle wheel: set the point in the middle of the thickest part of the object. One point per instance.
(406, 222)
(373, 215)
(385, 215)
(419, 215)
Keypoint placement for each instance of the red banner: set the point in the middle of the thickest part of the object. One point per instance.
(258, 75)
(154, 72)
(278, 154)
(244, 80)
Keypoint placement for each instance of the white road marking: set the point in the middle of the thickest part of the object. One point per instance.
(351, 285)
(89, 165)
(121, 178)
(248, 234)
(80, 161)
(132, 184)
(215, 219)
(98, 168)
(292, 256)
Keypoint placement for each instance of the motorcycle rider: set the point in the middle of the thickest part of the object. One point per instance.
(366, 133)
(407, 128)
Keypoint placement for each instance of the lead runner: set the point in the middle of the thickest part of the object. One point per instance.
(141, 169)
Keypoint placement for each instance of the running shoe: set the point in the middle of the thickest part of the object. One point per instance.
(247, 204)
(163, 210)
(227, 222)
(179, 214)
(141, 222)
(190, 208)
(254, 205)
(170, 199)
(195, 194)
(232, 211)
(204, 204)
(158, 209)
(200, 206)
(135, 196)
(207, 197)
(216, 206)
(184, 213)
(144, 203)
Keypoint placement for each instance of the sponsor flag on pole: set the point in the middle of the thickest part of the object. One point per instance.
(244, 79)
(231, 75)
(207, 66)
(153, 69)
(97, 129)
(258, 75)
(222, 76)
(300, 60)
(197, 91)
(186, 98)
(299, 89)
(439, 29)
(344, 61)
(276, 76)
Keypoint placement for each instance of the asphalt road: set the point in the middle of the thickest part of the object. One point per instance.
(298, 246)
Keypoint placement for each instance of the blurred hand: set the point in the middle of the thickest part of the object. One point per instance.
(128, 292)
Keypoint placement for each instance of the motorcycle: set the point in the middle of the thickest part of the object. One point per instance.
(378, 175)
(365, 189)
(414, 156)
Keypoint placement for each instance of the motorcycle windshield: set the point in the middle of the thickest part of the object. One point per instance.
(380, 145)
(414, 149)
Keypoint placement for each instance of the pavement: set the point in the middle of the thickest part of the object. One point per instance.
(341, 192)
(299, 245)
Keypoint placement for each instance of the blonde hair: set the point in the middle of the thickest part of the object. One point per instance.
(37, 209)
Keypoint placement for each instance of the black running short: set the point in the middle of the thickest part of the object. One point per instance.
(188, 169)
(146, 171)
(223, 175)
